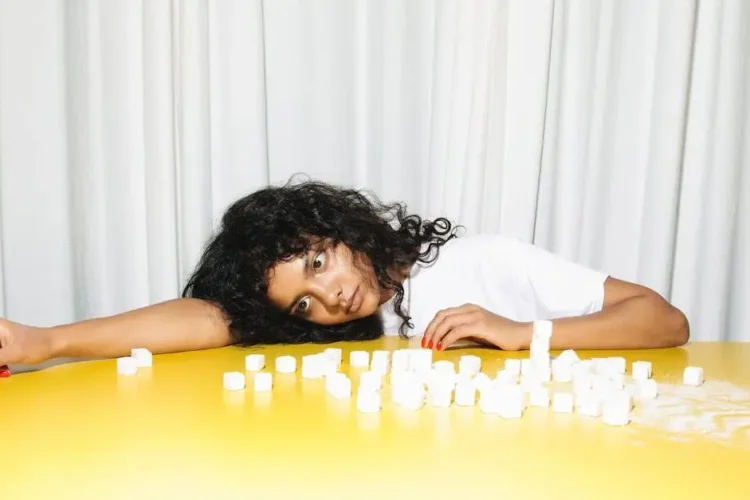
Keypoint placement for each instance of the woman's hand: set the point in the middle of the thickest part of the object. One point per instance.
(471, 322)
(20, 344)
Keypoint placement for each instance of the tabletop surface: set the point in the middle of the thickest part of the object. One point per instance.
(81, 431)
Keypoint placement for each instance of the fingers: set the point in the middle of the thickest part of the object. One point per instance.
(4, 358)
(429, 335)
(5, 337)
(465, 320)
(467, 331)
(461, 332)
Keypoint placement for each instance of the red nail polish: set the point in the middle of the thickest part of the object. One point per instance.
(423, 339)
(440, 346)
(4, 372)
(430, 344)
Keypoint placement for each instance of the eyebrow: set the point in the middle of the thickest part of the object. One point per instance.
(305, 272)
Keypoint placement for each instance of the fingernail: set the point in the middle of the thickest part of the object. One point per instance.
(440, 346)
(430, 344)
(423, 339)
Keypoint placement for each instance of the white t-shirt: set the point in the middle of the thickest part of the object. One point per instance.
(503, 275)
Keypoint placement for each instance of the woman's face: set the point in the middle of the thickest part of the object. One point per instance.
(325, 286)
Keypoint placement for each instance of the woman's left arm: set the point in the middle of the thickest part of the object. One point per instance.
(632, 317)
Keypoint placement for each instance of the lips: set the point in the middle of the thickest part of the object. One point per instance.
(355, 302)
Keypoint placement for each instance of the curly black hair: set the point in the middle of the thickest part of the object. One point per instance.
(279, 223)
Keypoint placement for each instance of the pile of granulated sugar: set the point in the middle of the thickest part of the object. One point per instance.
(716, 410)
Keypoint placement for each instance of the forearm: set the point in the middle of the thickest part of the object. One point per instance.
(640, 322)
(172, 326)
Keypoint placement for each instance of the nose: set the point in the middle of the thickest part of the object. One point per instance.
(331, 294)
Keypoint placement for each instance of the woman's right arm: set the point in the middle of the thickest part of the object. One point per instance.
(178, 325)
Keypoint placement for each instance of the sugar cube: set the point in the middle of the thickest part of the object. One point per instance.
(583, 366)
(339, 386)
(582, 383)
(647, 389)
(641, 370)
(143, 357)
(562, 402)
(286, 364)
(441, 395)
(466, 393)
(490, 402)
(368, 401)
(234, 381)
(616, 410)
(335, 354)
(541, 361)
(481, 381)
(370, 381)
(530, 383)
(513, 365)
(420, 360)
(599, 366)
(263, 381)
(411, 397)
(313, 366)
(359, 359)
(693, 375)
(542, 329)
(589, 403)
(539, 397)
(543, 373)
(539, 347)
(380, 356)
(526, 366)
(379, 364)
(505, 377)
(619, 397)
(400, 360)
(444, 366)
(127, 365)
(568, 357)
(255, 362)
(397, 376)
(469, 365)
(511, 402)
(616, 364)
(561, 371)
(601, 383)
(616, 381)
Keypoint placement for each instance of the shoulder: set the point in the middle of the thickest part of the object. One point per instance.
(476, 253)
(477, 244)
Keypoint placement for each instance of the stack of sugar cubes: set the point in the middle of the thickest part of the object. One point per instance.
(369, 399)
(505, 396)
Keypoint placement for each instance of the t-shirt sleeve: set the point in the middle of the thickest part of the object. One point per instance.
(561, 287)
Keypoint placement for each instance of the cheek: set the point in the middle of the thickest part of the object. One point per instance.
(371, 303)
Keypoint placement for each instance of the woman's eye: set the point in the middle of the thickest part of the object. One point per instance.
(319, 261)
(303, 306)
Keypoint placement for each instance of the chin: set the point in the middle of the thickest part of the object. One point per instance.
(369, 306)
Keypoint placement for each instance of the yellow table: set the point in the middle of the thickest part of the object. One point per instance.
(172, 432)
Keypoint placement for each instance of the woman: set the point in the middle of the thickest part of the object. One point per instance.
(310, 262)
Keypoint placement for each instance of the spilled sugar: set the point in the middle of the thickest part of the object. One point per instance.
(717, 410)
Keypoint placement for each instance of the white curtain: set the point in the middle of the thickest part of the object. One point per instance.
(614, 133)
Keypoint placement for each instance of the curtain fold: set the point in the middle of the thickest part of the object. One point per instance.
(613, 133)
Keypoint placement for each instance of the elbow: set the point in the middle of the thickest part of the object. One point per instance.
(683, 329)
(676, 327)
